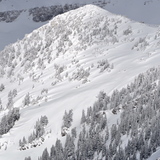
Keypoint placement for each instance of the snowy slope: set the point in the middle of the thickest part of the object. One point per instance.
(146, 11)
(64, 56)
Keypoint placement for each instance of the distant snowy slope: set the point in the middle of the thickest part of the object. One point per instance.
(27, 4)
(144, 10)
(64, 64)
(11, 32)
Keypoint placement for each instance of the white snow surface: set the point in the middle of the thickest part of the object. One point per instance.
(76, 42)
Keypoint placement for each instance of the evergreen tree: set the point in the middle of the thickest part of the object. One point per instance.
(74, 133)
(103, 122)
(20, 143)
(45, 155)
(67, 119)
(8, 121)
(30, 139)
(28, 158)
(53, 153)
(44, 120)
(1, 107)
(69, 147)
(10, 103)
(59, 150)
(83, 118)
(26, 100)
(24, 142)
(2, 87)
(113, 131)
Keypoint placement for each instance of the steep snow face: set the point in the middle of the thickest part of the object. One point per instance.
(74, 56)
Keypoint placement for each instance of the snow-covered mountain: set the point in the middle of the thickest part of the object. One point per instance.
(20, 17)
(63, 65)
